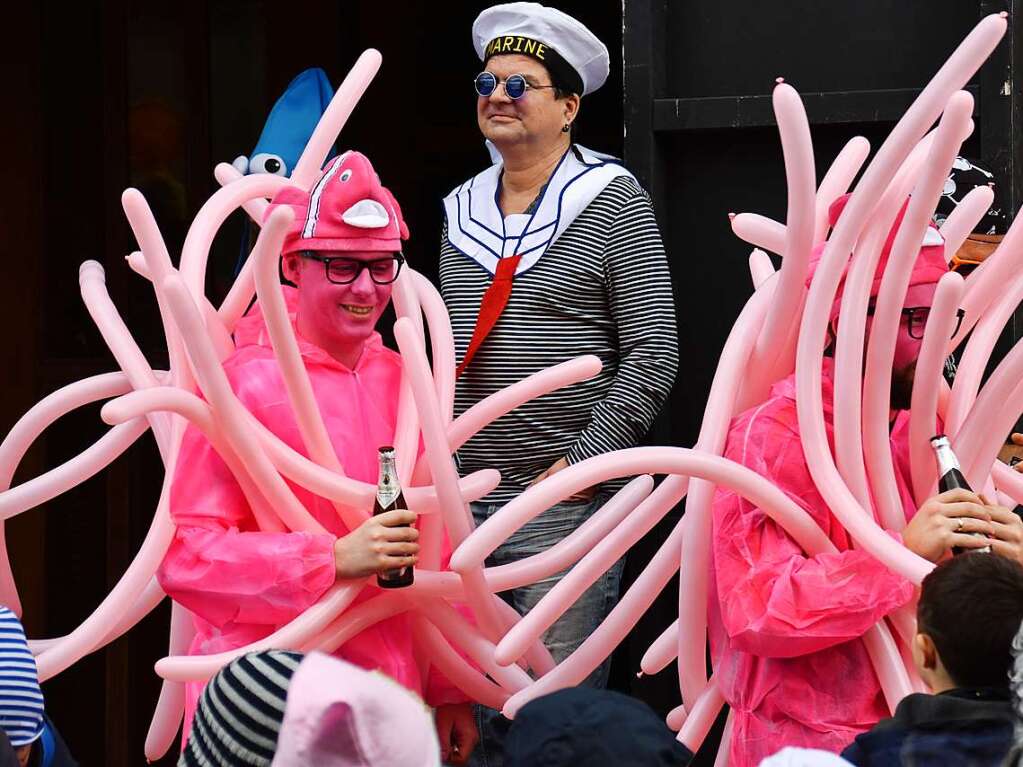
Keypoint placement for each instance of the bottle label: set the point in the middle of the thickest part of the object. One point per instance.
(387, 493)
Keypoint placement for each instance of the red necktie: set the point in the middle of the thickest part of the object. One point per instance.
(491, 305)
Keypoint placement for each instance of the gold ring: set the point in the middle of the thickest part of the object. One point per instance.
(959, 524)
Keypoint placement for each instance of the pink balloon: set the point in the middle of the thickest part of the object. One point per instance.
(458, 631)
(406, 430)
(72, 472)
(199, 668)
(760, 231)
(92, 282)
(558, 557)
(469, 423)
(592, 566)
(726, 742)
(442, 343)
(991, 419)
(150, 597)
(701, 717)
(438, 453)
(229, 413)
(736, 368)
(335, 117)
(282, 338)
(887, 662)
(624, 463)
(493, 407)
(196, 248)
(780, 323)
(356, 620)
(157, 266)
(979, 349)
(676, 718)
(964, 217)
(90, 634)
(27, 430)
(988, 281)
(662, 652)
(199, 413)
(760, 267)
(621, 620)
(923, 412)
(849, 346)
(1009, 481)
(454, 667)
(951, 131)
(535, 656)
(293, 465)
(431, 530)
(225, 173)
(837, 181)
(952, 76)
(170, 707)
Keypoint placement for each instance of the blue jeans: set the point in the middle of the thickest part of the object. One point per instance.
(569, 631)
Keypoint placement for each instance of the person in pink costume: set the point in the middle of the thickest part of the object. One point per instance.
(241, 583)
(785, 627)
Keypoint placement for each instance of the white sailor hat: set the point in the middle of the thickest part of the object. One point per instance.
(572, 54)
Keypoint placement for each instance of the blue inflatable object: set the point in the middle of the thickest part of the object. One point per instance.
(286, 132)
(290, 125)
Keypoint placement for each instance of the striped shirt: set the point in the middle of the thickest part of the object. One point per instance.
(21, 700)
(602, 288)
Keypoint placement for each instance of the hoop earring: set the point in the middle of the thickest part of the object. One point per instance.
(567, 127)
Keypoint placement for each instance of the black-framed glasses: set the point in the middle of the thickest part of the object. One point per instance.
(344, 270)
(514, 85)
(916, 319)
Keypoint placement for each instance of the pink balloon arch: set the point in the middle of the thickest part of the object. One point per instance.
(781, 329)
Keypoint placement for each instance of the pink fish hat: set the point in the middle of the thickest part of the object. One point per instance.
(347, 209)
(339, 715)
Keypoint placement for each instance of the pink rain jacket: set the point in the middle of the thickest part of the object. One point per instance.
(242, 584)
(784, 627)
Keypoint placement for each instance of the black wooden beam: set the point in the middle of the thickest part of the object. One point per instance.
(643, 82)
(837, 107)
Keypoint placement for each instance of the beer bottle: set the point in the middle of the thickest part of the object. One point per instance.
(951, 476)
(389, 497)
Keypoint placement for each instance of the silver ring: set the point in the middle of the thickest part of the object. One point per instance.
(959, 524)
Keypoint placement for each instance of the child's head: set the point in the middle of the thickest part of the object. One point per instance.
(970, 609)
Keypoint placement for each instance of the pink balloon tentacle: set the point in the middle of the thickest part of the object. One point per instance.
(229, 413)
(963, 219)
(194, 410)
(170, 706)
(800, 173)
(438, 453)
(837, 181)
(850, 341)
(591, 567)
(335, 117)
(199, 668)
(923, 411)
(952, 130)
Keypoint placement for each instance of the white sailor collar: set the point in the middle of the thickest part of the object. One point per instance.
(477, 228)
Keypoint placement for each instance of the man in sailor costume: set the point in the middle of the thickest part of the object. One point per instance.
(551, 253)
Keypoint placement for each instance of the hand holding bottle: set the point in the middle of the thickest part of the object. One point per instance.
(381, 544)
(952, 519)
(1006, 533)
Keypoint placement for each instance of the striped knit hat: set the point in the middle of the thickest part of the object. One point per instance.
(240, 712)
(21, 700)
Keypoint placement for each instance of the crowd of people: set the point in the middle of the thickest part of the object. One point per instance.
(551, 253)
